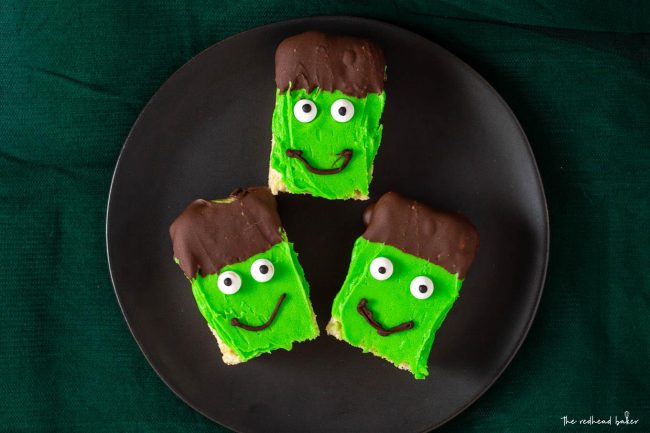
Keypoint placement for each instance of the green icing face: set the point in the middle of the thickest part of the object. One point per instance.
(255, 301)
(392, 303)
(322, 140)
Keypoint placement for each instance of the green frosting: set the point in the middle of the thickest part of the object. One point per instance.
(255, 301)
(322, 139)
(392, 303)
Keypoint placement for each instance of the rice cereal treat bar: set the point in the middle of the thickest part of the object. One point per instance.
(329, 101)
(405, 274)
(244, 273)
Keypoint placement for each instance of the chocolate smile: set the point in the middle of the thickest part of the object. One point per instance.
(345, 154)
(235, 322)
(367, 314)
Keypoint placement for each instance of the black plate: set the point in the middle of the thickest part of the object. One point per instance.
(449, 141)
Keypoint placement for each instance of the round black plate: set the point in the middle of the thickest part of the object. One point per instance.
(449, 141)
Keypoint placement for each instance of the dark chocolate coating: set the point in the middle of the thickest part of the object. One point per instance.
(208, 236)
(355, 66)
(446, 239)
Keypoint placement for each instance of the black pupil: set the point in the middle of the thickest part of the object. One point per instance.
(423, 288)
(227, 281)
(342, 111)
(381, 270)
(264, 269)
(306, 107)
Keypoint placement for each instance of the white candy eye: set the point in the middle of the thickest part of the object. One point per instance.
(381, 268)
(422, 287)
(262, 270)
(342, 110)
(305, 110)
(229, 282)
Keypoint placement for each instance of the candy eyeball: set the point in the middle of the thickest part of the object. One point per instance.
(342, 110)
(229, 282)
(305, 110)
(262, 270)
(422, 287)
(381, 268)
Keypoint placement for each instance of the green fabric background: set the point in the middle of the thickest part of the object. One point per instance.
(75, 74)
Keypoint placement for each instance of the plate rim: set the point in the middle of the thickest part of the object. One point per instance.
(296, 21)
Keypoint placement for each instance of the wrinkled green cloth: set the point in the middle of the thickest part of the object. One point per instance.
(75, 74)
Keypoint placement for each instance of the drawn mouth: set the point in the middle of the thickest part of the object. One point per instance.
(345, 154)
(235, 321)
(367, 314)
